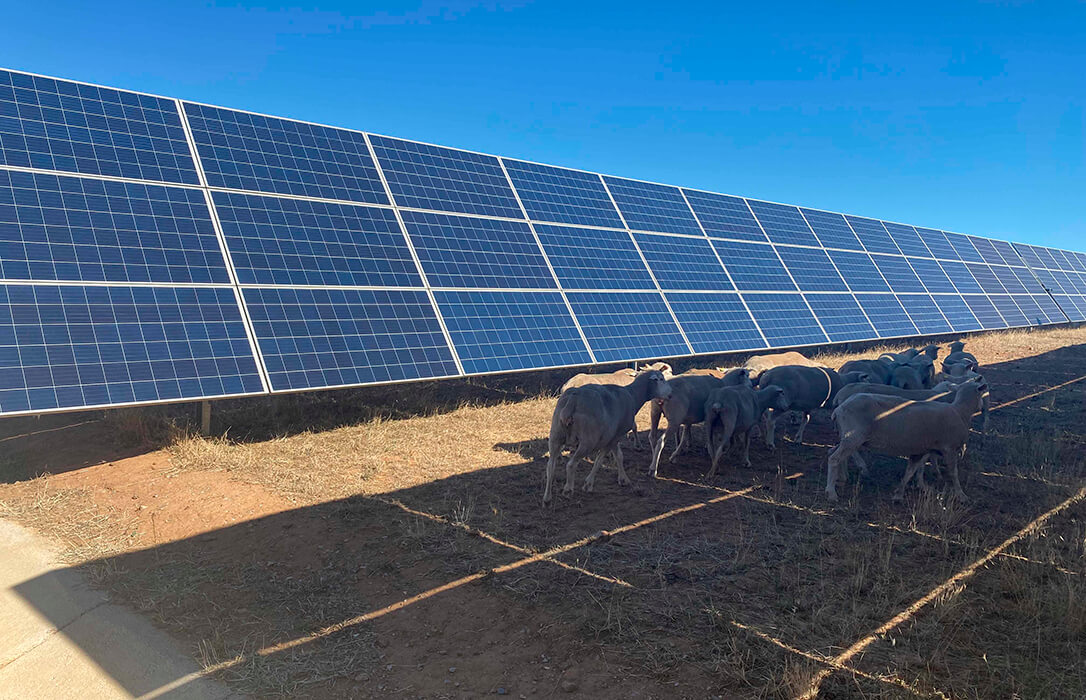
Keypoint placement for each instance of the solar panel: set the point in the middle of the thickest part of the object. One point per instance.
(724, 217)
(627, 326)
(832, 229)
(907, 239)
(153, 253)
(873, 235)
(959, 314)
(812, 269)
(841, 317)
(71, 127)
(276, 240)
(561, 195)
(463, 251)
(594, 259)
(683, 263)
(649, 207)
(859, 271)
(783, 223)
(898, 273)
(985, 311)
(421, 176)
(244, 151)
(924, 313)
(503, 331)
(754, 267)
(887, 315)
(323, 338)
(715, 322)
(85, 230)
(71, 346)
(785, 319)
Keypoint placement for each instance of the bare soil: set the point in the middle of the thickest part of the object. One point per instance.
(390, 543)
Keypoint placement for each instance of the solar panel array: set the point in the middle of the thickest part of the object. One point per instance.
(156, 250)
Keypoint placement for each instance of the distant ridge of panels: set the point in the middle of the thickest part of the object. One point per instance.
(87, 230)
(70, 346)
(562, 196)
(649, 207)
(73, 127)
(244, 151)
(445, 179)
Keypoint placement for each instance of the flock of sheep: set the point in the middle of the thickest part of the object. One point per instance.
(896, 405)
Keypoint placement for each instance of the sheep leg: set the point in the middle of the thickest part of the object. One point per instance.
(859, 460)
(654, 424)
(548, 480)
(745, 437)
(838, 458)
(916, 463)
(684, 433)
(802, 426)
(623, 479)
(571, 465)
(985, 404)
(590, 480)
(658, 448)
(952, 463)
(770, 426)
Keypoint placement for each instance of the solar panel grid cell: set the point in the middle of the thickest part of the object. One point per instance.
(841, 317)
(724, 217)
(963, 247)
(987, 251)
(985, 311)
(1008, 279)
(812, 269)
(627, 326)
(70, 127)
(1033, 313)
(986, 278)
(873, 235)
(561, 195)
(683, 263)
(754, 267)
(275, 240)
(924, 313)
(859, 271)
(898, 273)
(887, 315)
(783, 223)
(715, 322)
(962, 278)
(907, 239)
(649, 207)
(785, 319)
(831, 229)
(959, 314)
(932, 275)
(81, 229)
(938, 244)
(1012, 315)
(594, 259)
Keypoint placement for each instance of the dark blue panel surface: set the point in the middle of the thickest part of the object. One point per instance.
(987, 250)
(873, 235)
(957, 312)
(985, 311)
(715, 322)
(987, 280)
(1061, 260)
(1035, 316)
(594, 258)
(279, 156)
(938, 244)
(649, 207)
(859, 272)
(561, 195)
(1070, 308)
(683, 263)
(1049, 281)
(754, 267)
(1064, 281)
(1028, 255)
(785, 320)
(1050, 307)
(1007, 252)
(274, 240)
(811, 269)
(924, 313)
(503, 331)
(932, 275)
(462, 251)
(832, 229)
(1009, 310)
(907, 240)
(1008, 279)
(1076, 281)
(841, 317)
(887, 315)
(1045, 256)
(75, 346)
(898, 273)
(1078, 260)
(627, 326)
(962, 278)
(963, 247)
(59, 125)
(1028, 280)
(314, 338)
(724, 217)
(783, 223)
(445, 179)
(84, 230)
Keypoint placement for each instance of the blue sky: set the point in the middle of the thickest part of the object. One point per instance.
(967, 117)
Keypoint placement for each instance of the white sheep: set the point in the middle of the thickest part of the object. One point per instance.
(730, 415)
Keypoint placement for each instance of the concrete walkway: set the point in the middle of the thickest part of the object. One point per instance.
(61, 639)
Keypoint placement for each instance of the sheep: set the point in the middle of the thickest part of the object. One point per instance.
(900, 357)
(911, 429)
(923, 364)
(960, 374)
(932, 351)
(760, 363)
(906, 377)
(732, 412)
(959, 356)
(591, 419)
(717, 372)
(807, 389)
(684, 407)
(622, 377)
(878, 369)
(941, 392)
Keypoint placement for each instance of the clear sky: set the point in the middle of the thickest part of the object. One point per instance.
(969, 117)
